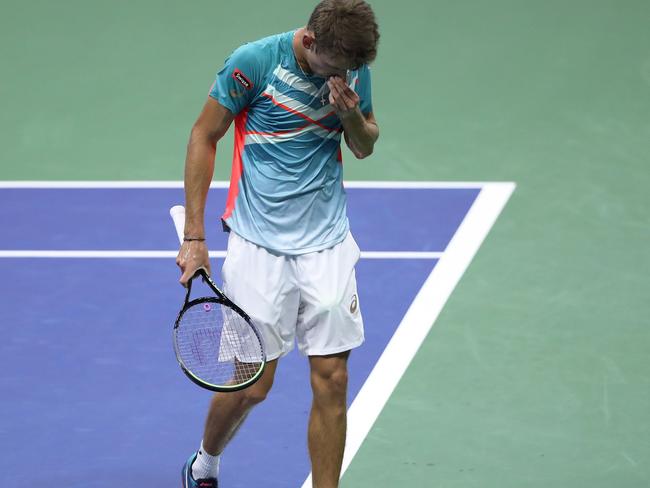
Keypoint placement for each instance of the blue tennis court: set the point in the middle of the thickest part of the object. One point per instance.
(92, 373)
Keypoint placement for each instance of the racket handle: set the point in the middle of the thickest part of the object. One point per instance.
(177, 213)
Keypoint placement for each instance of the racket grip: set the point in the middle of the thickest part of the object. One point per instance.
(177, 213)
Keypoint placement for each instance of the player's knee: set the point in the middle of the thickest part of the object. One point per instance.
(330, 385)
(252, 396)
(258, 391)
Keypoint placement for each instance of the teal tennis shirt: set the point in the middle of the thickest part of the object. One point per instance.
(286, 189)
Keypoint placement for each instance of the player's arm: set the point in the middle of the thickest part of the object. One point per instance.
(360, 131)
(211, 125)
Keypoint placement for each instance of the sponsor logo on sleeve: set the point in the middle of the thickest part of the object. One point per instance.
(241, 78)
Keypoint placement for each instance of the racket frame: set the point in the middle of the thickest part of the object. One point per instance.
(222, 300)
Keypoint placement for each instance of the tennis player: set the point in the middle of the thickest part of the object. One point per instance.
(291, 257)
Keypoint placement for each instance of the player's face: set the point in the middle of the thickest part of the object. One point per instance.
(327, 66)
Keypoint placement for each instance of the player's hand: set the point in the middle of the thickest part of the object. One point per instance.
(343, 98)
(192, 256)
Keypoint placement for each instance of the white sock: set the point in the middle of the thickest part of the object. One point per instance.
(205, 466)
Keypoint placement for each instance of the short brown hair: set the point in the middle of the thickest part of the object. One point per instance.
(345, 28)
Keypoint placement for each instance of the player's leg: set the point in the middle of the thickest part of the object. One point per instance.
(327, 421)
(226, 415)
(228, 411)
(261, 283)
(329, 326)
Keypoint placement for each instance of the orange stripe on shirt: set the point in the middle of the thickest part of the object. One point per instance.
(237, 162)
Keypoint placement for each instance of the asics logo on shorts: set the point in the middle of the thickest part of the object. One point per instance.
(354, 304)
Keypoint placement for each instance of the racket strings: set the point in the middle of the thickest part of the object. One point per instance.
(217, 345)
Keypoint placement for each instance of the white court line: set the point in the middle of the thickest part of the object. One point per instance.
(415, 185)
(421, 315)
(44, 253)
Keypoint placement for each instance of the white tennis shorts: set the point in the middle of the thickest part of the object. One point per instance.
(310, 298)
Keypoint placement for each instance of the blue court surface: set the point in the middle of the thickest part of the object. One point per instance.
(91, 393)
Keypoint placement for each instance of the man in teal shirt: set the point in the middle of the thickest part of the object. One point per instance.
(290, 261)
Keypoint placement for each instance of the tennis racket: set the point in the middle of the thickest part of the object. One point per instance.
(216, 344)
